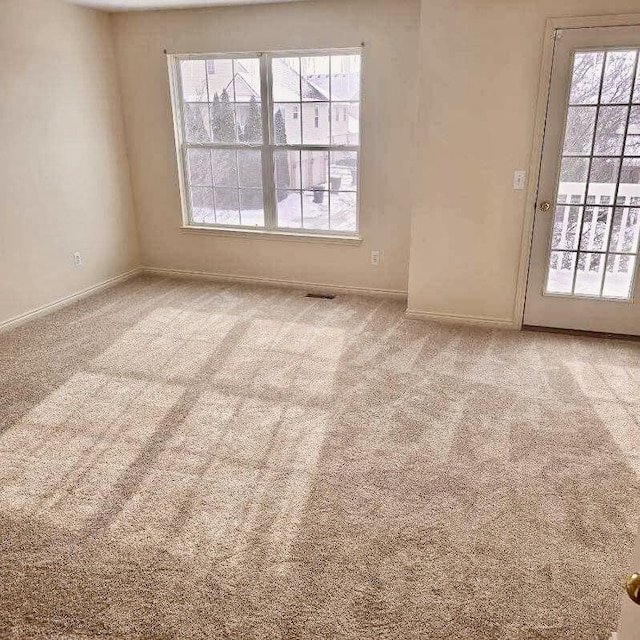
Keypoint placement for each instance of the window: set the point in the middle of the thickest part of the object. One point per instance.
(258, 146)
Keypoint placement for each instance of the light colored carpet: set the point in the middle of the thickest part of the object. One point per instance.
(196, 460)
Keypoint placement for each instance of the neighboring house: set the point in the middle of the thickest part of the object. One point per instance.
(313, 120)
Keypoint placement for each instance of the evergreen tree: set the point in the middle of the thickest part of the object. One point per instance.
(283, 177)
(215, 115)
(196, 130)
(253, 126)
(250, 167)
(223, 119)
(224, 160)
(279, 127)
(250, 161)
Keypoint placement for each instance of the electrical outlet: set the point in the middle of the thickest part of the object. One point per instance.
(375, 258)
(77, 259)
(519, 180)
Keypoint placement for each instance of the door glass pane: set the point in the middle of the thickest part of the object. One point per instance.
(618, 76)
(596, 228)
(619, 275)
(626, 227)
(636, 89)
(603, 178)
(566, 225)
(573, 179)
(630, 179)
(610, 131)
(589, 274)
(579, 134)
(562, 265)
(585, 79)
(632, 147)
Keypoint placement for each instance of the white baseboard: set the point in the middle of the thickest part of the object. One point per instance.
(308, 286)
(478, 321)
(16, 321)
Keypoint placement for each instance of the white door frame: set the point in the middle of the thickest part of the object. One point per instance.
(552, 25)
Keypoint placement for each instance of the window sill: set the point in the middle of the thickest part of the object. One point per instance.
(273, 235)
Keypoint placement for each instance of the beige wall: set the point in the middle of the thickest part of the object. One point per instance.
(478, 88)
(390, 31)
(65, 182)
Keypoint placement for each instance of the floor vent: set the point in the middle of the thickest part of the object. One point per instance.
(321, 296)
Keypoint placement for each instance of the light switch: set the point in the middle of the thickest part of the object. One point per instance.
(519, 180)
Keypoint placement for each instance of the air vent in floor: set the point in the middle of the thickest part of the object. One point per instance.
(322, 296)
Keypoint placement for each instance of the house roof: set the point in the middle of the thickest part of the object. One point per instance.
(287, 84)
(344, 86)
(287, 81)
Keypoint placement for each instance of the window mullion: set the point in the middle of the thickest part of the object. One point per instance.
(268, 173)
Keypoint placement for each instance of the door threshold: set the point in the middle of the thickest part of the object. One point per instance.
(582, 333)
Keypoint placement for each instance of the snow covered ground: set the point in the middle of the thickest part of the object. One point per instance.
(336, 212)
(617, 283)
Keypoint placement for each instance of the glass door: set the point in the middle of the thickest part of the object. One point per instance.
(584, 257)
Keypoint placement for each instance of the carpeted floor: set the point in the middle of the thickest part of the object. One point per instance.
(183, 459)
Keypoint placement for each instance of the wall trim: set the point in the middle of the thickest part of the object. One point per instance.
(551, 26)
(44, 310)
(260, 234)
(296, 284)
(478, 321)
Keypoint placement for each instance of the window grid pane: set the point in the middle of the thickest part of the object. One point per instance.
(595, 233)
(328, 94)
(314, 115)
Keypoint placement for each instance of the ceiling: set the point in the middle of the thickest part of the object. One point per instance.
(133, 5)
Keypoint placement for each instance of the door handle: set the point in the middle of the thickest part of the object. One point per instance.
(544, 206)
(632, 586)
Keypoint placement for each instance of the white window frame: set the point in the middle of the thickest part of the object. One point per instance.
(267, 147)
